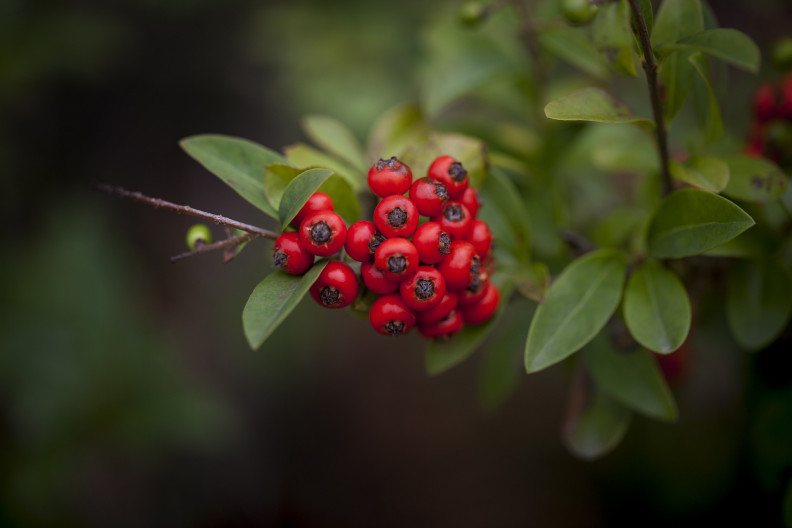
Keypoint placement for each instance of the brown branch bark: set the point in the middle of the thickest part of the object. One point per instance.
(206, 248)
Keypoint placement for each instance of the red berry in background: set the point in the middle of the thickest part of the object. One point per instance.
(446, 327)
(431, 242)
(451, 173)
(424, 290)
(455, 219)
(397, 258)
(362, 240)
(480, 237)
(785, 105)
(323, 233)
(388, 177)
(336, 286)
(375, 280)
(439, 311)
(764, 103)
(482, 311)
(318, 201)
(290, 256)
(428, 195)
(476, 291)
(460, 266)
(396, 216)
(470, 199)
(390, 316)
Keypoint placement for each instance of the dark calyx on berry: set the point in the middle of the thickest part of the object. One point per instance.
(457, 171)
(453, 213)
(475, 284)
(440, 190)
(394, 327)
(321, 232)
(445, 243)
(281, 259)
(392, 163)
(397, 264)
(376, 239)
(397, 217)
(475, 265)
(424, 289)
(329, 296)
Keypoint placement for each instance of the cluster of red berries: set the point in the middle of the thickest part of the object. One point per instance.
(771, 131)
(434, 275)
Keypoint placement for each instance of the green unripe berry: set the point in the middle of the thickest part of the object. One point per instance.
(198, 234)
(782, 54)
(474, 12)
(578, 11)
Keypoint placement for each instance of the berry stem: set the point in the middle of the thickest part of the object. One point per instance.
(650, 68)
(205, 248)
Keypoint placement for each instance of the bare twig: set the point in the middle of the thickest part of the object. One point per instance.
(205, 248)
(578, 244)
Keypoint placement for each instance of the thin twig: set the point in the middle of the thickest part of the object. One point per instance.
(579, 244)
(205, 248)
(650, 67)
(183, 209)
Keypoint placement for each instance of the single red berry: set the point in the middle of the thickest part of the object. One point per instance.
(396, 216)
(390, 316)
(480, 237)
(397, 258)
(470, 199)
(388, 177)
(765, 103)
(428, 195)
(483, 310)
(440, 311)
(375, 280)
(460, 266)
(424, 290)
(476, 291)
(455, 220)
(290, 256)
(336, 286)
(323, 233)
(451, 173)
(362, 240)
(318, 201)
(445, 328)
(431, 242)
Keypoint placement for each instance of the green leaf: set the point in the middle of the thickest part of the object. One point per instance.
(238, 162)
(345, 201)
(592, 104)
(708, 174)
(595, 423)
(759, 302)
(298, 191)
(336, 138)
(272, 300)
(676, 75)
(690, 221)
(754, 179)
(613, 36)
(656, 308)
(278, 176)
(574, 45)
(578, 305)
(714, 121)
(501, 203)
(301, 155)
(677, 19)
(631, 378)
(395, 130)
(732, 46)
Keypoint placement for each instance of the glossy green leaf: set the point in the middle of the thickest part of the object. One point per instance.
(278, 176)
(759, 302)
(298, 191)
(301, 155)
(238, 162)
(754, 179)
(595, 423)
(592, 104)
(345, 201)
(656, 308)
(713, 126)
(336, 138)
(730, 45)
(273, 300)
(395, 130)
(676, 75)
(677, 19)
(631, 378)
(578, 305)
(573, 44)
(708, 174)
(612, 34)
(690, 221)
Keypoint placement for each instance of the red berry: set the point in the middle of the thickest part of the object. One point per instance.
(455, 219)
(290, 256)
(375, 280)
(390, 316)
(785, 105)
(336, 286)
(428, 195)
(460, 266)
(471, 200)
(440, 311)
(475, 292)
(431, 242)
(445, 328)
(318, 201)
(397, 258)
(483, 310)
(362, 240)
(323, 233)
(396, 216)
(765, 103)
(451, 173)
(424, 290)
(480, 237)
(388, 177)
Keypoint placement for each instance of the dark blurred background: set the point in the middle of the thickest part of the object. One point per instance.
(128, 396)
